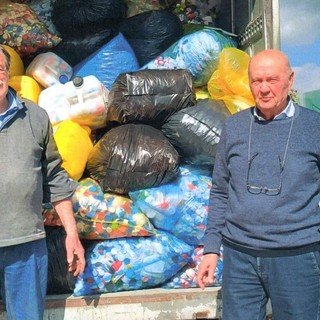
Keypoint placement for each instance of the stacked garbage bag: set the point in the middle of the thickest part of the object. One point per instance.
(137, 100)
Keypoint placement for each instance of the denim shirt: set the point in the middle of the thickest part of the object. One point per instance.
(14, 106)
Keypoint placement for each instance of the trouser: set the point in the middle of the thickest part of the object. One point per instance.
(292, 283)
(23, 279)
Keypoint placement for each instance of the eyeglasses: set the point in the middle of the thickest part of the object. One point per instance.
(263, 189)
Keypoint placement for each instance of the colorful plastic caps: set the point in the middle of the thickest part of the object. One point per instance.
(22, 30)
(186, 277)
(131, 264)
(107, 216)
(197, 52)
(180, 207)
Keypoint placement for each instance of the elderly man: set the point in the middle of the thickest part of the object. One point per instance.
(30, 174)
(264, 202)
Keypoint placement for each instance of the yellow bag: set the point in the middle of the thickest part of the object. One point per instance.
(26, 87)
(202, 93)
(230, 81)
(74, 145)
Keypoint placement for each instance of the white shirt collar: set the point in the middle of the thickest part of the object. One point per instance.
(288, 112)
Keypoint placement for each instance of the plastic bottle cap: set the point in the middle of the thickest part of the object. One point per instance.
(77, 82)
(63, 79)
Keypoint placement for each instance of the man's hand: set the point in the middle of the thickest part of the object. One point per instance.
(74, 248)
(206, 269)
(75, 255)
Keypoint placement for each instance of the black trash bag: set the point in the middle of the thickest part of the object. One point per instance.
(75, 50)
(195, 131)
(151, 33)
(150, 96)
(60, 280)
(78, 18)
(132, 157)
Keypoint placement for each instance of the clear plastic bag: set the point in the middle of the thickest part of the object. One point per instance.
(131, 264)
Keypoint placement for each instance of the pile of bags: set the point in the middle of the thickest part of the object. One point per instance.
(137, 100)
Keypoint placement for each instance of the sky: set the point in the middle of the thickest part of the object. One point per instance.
(300, 41)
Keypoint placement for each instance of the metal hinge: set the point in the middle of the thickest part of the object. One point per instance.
(252, 32)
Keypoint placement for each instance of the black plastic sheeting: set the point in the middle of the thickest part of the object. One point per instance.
(75, 50)
(195, 131)
(60, 280)
(79, 18)
(150, 33)
(149, 96)
(132, 157)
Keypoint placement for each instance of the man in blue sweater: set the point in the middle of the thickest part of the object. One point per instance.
(264, 202)
(31, 173)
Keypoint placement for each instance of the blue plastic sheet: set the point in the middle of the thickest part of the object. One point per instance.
(108, 62)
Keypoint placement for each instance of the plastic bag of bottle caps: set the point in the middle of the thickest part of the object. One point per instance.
(162, 204)
(186, 277)
(131, 264)
(107, 216)
(180, 207)
(197, 52)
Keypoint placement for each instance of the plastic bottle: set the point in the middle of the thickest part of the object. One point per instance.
(82, 100)
(49, 69)
(78, 84)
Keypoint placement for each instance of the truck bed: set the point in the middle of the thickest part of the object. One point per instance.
(148, 304)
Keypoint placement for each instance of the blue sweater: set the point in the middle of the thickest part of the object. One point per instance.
(260, 223)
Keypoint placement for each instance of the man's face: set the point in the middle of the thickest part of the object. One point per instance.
(4, 79)
(270, 83)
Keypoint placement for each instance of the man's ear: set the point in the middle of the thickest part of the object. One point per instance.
(291, 79)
